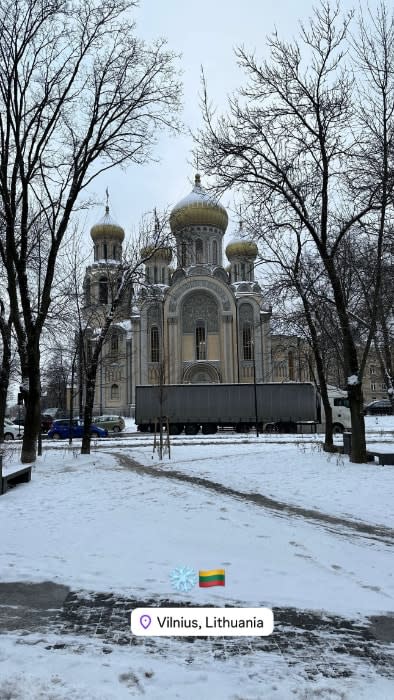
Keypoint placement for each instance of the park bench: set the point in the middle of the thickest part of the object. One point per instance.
(8, 481)
(383, 457)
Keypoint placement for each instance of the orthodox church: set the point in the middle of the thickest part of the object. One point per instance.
(194, 320)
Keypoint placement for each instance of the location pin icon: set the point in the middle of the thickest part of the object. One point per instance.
(145, 621)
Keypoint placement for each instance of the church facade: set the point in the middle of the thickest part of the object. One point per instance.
(195, 319)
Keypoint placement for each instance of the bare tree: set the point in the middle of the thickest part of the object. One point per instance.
(300, 149)
(96, 319)
(79, 94)
(5, 363)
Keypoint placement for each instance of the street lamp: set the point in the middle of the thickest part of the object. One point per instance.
(255, 388)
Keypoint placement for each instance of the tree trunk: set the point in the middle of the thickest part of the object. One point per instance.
(358, 453)
(4, 373)
(88, 412)
(32, 408)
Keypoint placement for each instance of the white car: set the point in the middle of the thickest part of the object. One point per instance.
(12, 431)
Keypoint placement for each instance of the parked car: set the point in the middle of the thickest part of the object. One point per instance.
(12, 431)
(61, 429)
(111, 423)
(379, 408)
(46, 422)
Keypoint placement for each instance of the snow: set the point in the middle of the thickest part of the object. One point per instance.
(96, 523)
(353, 380)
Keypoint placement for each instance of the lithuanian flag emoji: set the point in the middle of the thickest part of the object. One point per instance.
(214, 577)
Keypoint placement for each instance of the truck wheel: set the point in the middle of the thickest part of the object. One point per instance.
(176, 428)
(192, 429)
(143, 428)
(337, 429)
(209, 428)
(8, 436)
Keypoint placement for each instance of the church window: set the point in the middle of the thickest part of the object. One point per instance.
(154, 344)
(235, 273)
(96, 252)
(147, 275)
(199, 250)
(215, 252)
(163, 275)
(114, 343)
(155, 274)
(183, 256)
(290, 357)
(200, 340)
(114, 252)
(87, 291)
(103, 290)
(115, 394)
(243, 273)
(247, 345)
(105, 249)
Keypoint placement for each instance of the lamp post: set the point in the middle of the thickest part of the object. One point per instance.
(255, 389)
(101, 385)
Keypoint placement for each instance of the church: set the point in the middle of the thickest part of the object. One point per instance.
(197, 318)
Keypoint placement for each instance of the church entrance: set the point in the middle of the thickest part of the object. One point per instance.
(201, 373)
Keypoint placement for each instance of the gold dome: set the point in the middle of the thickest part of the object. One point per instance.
(241, 249)
(107, 228)
(164, 253)
(198, 209)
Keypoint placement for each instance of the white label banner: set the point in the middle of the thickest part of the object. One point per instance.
(204, 622)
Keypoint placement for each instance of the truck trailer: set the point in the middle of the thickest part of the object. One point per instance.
(191, 407)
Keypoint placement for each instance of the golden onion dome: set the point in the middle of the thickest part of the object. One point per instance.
(241, 249)
(152, 254)
(107, 228)
(198, 209)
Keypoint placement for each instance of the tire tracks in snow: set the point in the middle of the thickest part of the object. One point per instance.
(334, 523)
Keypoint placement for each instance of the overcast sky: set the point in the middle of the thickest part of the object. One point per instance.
(205, 33)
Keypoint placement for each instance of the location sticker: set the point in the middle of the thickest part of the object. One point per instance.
(145, 621)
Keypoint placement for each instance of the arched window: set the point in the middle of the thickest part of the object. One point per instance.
(247, 345)
(154, 344)
(147, 275)
(96, 252)
(87, 291)
(105, 251)
(235, 268)
(183, 254)
(114, 343)
(155, 280)
(115, 394)
(199, 250)
(215, 252)
(201, 353)
(114, 252)
(103, 290)
(243, 273)
(163, 275)
(290, 356)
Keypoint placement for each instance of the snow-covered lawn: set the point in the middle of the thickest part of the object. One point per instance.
(93, 523)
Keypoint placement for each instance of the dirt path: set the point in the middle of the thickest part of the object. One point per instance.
(334, 523)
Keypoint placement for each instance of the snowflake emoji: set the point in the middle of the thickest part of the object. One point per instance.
(183, 579)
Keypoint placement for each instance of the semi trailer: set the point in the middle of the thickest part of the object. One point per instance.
(191, 407)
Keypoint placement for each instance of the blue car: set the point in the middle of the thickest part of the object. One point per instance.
(61, 429)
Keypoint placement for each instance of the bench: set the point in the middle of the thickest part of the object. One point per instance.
(383, 457)
(22, 476)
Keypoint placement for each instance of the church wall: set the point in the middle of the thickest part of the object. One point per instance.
(213, 348)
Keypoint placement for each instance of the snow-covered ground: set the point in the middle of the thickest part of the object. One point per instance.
(101, 523)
